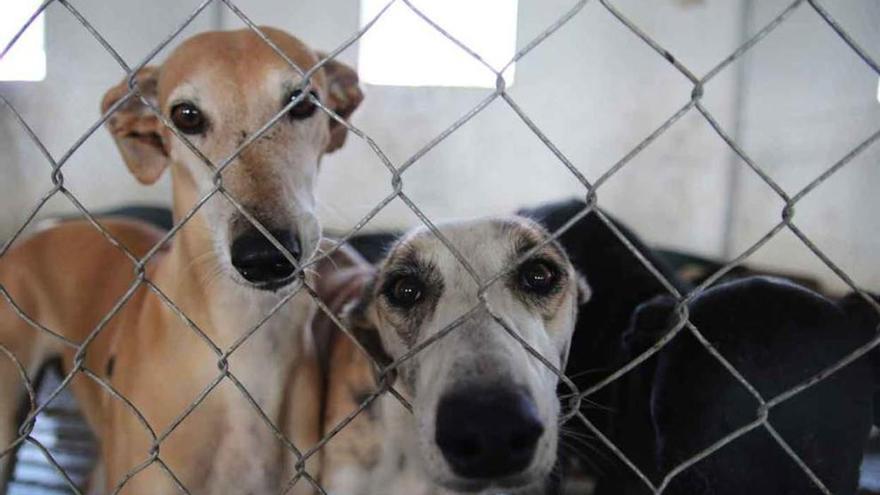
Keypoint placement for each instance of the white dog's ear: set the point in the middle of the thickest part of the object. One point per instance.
(135, 128)
(345, 95)
(584, 292)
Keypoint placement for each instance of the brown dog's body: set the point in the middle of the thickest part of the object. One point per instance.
(356, 449)
(150, 357)
(69, 277)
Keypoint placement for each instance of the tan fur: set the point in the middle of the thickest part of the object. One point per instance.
(349, 374)
(69, 277)
(355, 450)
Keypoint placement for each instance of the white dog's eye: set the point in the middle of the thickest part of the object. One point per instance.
(405, 291)
(538, 277)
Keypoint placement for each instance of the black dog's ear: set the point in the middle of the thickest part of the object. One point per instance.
(860, 311)
(649, 322)
(363, 329)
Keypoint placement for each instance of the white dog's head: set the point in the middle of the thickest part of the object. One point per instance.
(485, 409)
(219, 88)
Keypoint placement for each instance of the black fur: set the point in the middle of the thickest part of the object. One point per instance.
(777, 335)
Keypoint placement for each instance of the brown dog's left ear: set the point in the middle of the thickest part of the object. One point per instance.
(345, 95)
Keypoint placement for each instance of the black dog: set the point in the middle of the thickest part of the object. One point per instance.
(777, 335)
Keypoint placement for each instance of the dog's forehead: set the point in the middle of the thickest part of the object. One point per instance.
(486, 244)
(228, 60)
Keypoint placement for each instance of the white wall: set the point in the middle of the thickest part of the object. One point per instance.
(594, 88)
(63, 106)
(809, 100)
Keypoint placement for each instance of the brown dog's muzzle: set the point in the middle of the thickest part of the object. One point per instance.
(259, 262)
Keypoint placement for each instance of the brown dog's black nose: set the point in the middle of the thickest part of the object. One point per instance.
(487, 432)
(260, 262)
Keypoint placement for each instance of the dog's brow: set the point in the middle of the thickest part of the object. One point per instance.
(406, 259)
(404, 255)
(292, 82)
(526, 239)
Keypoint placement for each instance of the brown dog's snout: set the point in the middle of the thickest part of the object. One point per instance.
(257, 259)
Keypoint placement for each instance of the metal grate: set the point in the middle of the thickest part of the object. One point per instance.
(63, 431)
(29, 432)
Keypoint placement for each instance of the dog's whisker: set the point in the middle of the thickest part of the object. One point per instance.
(586, 372)
(581, 456)
(594, 449)
(586, 443)
(214, 275)
(578, 434)
(324, 252)
(585, 404)
(329, 208)
(591, 405)
(208, 256)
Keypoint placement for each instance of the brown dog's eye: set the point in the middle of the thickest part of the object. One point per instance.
(538, 277)
(405, 292)
(304, 109)
(188, 118)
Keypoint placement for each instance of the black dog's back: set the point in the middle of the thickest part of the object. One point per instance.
(777, 335)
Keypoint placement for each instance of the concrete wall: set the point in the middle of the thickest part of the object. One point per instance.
(808, 100)
(594, 88)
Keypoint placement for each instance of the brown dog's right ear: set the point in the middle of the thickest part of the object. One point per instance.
(345, 96)
(136, 129)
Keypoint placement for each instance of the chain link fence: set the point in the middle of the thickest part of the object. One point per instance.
(396, 177)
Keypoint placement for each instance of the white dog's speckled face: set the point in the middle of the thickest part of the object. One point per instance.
(485, 408)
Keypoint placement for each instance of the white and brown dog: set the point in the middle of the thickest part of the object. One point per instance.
(217, 88)
(485, 410)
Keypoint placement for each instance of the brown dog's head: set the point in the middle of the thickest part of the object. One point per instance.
(219, 88)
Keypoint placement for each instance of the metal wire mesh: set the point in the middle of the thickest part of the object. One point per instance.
(396, 179)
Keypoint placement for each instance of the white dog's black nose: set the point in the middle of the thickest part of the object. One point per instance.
(487, 432)
(260, 262)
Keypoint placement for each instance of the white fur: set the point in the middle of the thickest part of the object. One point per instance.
(479, 351)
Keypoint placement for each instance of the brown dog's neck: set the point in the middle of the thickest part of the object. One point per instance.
(192, 276)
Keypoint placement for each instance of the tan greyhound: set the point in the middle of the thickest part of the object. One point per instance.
(217, 88)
